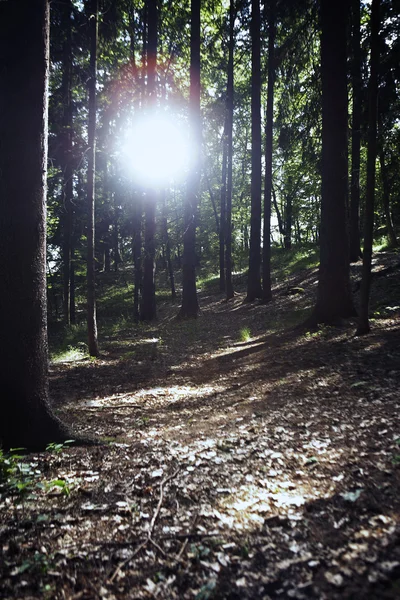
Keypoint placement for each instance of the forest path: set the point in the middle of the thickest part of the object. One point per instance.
(246, 459)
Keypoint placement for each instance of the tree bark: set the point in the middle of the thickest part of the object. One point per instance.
(363, 321)
(229, 142)
(190, 305)
(334, 298)
(137, 256)
(390, 233)
(91, 276)
(26, 419)
(254, 289)
(148, 305)
(266, 270)
(168, 248)
(222, 220)
(67, 158)
(355, 246)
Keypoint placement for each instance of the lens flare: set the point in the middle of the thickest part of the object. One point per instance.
(156, 150)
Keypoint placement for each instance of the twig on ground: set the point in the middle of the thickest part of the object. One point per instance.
(149, 538)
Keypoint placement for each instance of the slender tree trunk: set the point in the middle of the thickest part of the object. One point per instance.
(254, 289)
(168, 248)
(148, 305)
(91, 281)
(72, 308)
(137, 256)
(363, 322)
(355, 249)
(391, 234)
(334, 298)
(222, 220)
(26, 419)
(288, 221)
(67, 157)
(213, 203)
(229, 141)
(267, 291)
(190, 305)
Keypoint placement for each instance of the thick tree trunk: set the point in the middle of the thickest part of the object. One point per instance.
(148, 305)
(254, 289)
(355, 250)
(229, 141)
(266, 269)
(190, 305)
(334, 298)
(363, 322)
(91, 277)
(25, 417)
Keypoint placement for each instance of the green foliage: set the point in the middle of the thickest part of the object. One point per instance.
(58, 448)
(17, 477)
(244, 334)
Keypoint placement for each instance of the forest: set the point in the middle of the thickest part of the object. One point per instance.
(200, 305)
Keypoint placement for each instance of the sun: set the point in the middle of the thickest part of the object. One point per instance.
(156, 150)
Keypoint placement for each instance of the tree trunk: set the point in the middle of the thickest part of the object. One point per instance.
(254, 289)
(148, 305)
(26, 419)
(91, 282)
(168, 248)
(229, 141)
(190, 305)
(391, 234)
(267, 292)
(137, 257)
(363, 322)
(334, 298)
(67, 157)
(222, 220)
(288, 221)
(72, 308)
(355, 250)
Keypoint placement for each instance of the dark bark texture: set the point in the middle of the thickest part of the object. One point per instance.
(254, 289)
(25, 417)
(266, 268)
(363, 322)
(355, 249)
(229, 142)
(91, 282)
(334, 298)
(190, 305)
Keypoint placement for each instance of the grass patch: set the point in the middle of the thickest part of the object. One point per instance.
(244, 334)
(286, 262)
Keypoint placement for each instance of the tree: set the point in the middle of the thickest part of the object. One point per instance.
(148, 304)
(355, 250)
(267, 293)
(66, 86)
(363, 322)
(91, 293)
(334, 298)
(26, 419)
(254, 280)
(190, 304)
(229, 143)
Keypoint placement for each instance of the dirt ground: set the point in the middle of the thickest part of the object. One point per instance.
(243, 458)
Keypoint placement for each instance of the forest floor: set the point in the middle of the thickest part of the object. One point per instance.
(244, 459)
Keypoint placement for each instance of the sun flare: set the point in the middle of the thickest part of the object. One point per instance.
(156, 150)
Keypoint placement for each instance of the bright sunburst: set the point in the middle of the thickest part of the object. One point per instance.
(156, 150)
